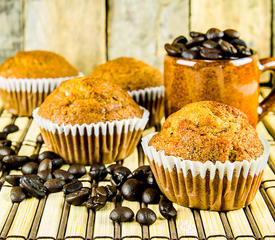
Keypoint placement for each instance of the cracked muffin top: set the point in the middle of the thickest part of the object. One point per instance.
(129, 73)
(37, 64)
(88, 100)
(208, 131)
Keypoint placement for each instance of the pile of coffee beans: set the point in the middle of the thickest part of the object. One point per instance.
(214, 44)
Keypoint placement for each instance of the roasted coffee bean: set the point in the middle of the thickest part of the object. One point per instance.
(39, 139)
(98, 172)
(231, 33)
(120, 175)
(11, 128)
(180, 39)
(14, 180)
(151, 196)
(195, 41)
(195, 48)
(96, 202)
(214, 33)
(73, 186)
(45, 175)
(101, 191)
(227, 47)
(34, 158)
(30, 168)
(45, 164)
(78, 170)
(151, 181)
(121, 214)
(166, 208)
(146, 216)
(78, 197)
(171, 50)
(5, 143)
(180, 46)
(4, 151)
(132, 189)
(63, 175)
(141, 172)
(244, 51)
(196, 34)
(233, 57)
(54, 185)
(47, 154)
(17, 194)
(33, 185)
(210, 44)
(14, 161)
(111, 168)
(111, 190)
(189, 54)
(211, 53)
(3, 135)
(57, 162)
(238, 41)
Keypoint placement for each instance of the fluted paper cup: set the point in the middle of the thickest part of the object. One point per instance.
(102, 142)
(208, 186)
(21, 96)
(153, 100)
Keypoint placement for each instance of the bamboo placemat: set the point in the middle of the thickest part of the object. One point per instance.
(52, 218)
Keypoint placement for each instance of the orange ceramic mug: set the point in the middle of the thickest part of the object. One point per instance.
(234, 82)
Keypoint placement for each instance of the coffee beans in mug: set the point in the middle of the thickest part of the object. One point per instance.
(121, 214)
(146, 216)
(17, 194)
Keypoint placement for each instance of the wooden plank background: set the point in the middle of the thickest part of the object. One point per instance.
(88, 32)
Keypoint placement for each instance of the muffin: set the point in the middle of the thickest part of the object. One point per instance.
(90, 120)
(27, 78)
(143, 82)
(207, 156)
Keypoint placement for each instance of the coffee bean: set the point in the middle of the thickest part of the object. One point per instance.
(166, 208)
(73, 186)
(210, 44)
(231, 33)
(195, 48)
(132, 189)
(4, 151)
(189, 54)
(101, 191)
(121, 214)
(63, 175)
(111, 168)
(78, 170)
(47, 154)
(33, 185)
(146, 216)
(14, 180)
(196, 34)
(11, 128)
(179, 46)
(150, 180)
(171, 50)
(54, 185)
(98, 172)
(151, 196)
(96, 202)
(57, 162)
(238, 41)
(39, 139)
(78, 197)
(244, 51)
(34, 158)
(120, 175)
(17, 194)
(195, 41)
(3, 135)
(233, 57)
(5, 143)
(211, 53)
(111, 190)
(14, 161)
(45, 164)
(45, 175)
(141, 172)
(180, 39)
(30, 168)
(227, 47)
(214, 33)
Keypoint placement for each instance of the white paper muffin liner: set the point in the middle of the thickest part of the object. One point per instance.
(152, 99)
(219, 186)
(103, 142)
(21, 96)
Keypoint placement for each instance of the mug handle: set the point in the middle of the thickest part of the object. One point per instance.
(269, 102)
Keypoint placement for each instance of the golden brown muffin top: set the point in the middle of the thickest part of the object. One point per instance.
(36, 64)
(88, 100)
(208, 131)
(129, 73)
